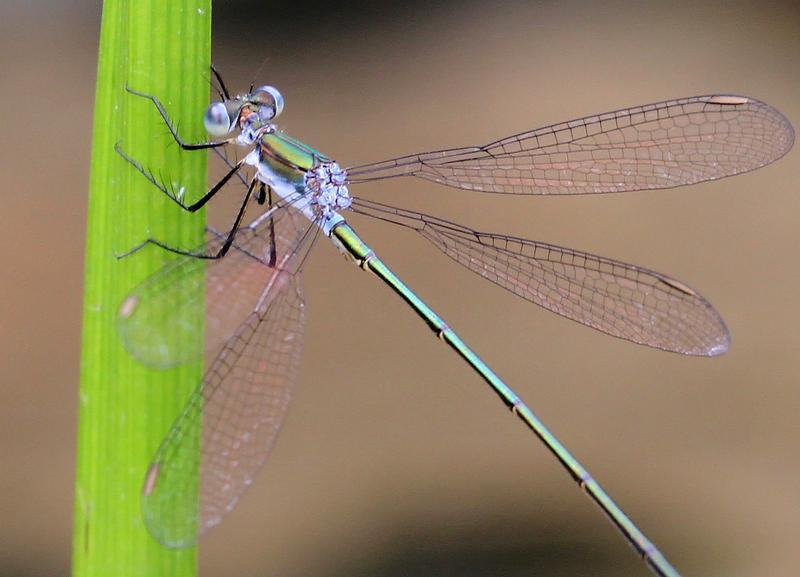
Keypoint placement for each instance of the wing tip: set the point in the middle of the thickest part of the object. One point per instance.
(720, 345)
(172, 537)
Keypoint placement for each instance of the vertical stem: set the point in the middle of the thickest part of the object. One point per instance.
(162, 48)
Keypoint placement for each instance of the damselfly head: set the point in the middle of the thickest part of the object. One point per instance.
(257, 108)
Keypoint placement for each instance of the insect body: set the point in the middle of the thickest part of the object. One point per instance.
(253, 296)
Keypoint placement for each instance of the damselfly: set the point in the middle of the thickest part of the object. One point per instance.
(249, 279)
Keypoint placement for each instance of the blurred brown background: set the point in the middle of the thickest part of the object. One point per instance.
(395, 459)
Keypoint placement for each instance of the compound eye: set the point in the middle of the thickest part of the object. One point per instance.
(269, 101)
(217, 120)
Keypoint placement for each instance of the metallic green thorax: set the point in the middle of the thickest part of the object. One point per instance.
(352, 245)
(289, 155)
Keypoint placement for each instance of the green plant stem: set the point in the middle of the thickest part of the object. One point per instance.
(162, 48)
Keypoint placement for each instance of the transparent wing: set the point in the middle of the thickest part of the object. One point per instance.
(619, 299)
(231, 420)
(660, 145)
(158, 321)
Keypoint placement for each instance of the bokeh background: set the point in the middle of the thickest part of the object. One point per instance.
(395, 459)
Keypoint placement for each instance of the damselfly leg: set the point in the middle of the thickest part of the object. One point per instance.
(178, 197)
(173, 130)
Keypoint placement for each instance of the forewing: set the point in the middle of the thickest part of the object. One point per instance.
(231, 420)
(159, 322)
(619, 299)
(660, 145)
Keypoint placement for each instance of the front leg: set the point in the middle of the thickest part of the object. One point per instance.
(162, 111)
